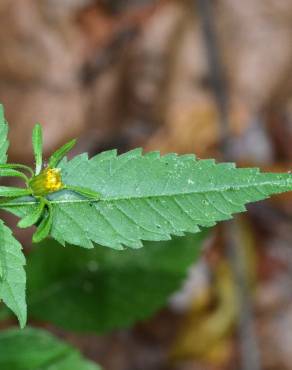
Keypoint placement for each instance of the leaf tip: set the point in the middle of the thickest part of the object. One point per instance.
(22, 321)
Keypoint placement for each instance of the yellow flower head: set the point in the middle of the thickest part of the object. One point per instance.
(48, 181)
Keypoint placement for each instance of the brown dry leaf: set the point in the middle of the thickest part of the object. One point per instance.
(280, 129)
(36, 48)
(61, 114)
(126, 96)
(206, 331)
(192, 128)
(274, 308)
(206, 334)
(41, 55)
(186, 107)
(275, 339)
(259, 71)
(101, 27)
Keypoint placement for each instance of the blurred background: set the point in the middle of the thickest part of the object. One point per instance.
(212, 78)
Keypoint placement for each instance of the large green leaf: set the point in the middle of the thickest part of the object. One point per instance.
(4, 143)
(32, 349)
(12, 274)
(102, 289)
(150, 197)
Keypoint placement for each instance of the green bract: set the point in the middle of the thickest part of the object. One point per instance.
(37, 143)
(119, 201)
(60, 153)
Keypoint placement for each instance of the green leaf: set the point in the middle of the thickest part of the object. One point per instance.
(44, 228)
(102, 289)
(10, 191)
(32, 218)
(34, 349)
(149, 197)
(19, 166)
(37, 143)
(4, 143)
(12, 274)
(9, 172)
(60, 153)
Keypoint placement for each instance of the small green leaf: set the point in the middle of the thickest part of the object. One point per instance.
(44, 227)
(37, 142)
(101, 289)
(60, 153)
(12, 274)
(15, 165)
(7, 172)
(35, 349)
(9, 191)
(33, 217)
(4, 143)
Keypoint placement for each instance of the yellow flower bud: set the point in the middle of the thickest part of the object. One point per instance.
(48, 181)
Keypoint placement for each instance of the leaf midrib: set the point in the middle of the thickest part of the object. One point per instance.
(111, 199)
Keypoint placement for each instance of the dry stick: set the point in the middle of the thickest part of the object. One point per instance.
(250, 358)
